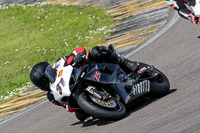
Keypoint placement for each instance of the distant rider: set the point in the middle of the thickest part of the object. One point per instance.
(188, 9)
(78, 58)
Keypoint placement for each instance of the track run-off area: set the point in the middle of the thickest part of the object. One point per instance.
(135, 22)
(176, 53)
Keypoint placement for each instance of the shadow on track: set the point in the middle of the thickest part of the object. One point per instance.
(136, 105)
(144, 101)
(98, 122)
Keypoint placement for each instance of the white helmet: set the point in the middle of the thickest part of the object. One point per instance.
(196, 8)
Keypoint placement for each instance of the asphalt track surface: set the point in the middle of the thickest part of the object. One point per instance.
(176, 53)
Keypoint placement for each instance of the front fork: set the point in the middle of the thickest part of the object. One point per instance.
(98, 94)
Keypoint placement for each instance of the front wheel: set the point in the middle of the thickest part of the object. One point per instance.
(109, 110)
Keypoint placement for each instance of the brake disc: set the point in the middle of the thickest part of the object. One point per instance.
(108, 103)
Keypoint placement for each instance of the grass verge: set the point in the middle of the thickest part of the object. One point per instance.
(30, 34)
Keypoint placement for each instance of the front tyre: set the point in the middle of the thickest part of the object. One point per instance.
(97, 110)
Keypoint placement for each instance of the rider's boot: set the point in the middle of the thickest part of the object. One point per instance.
(104, 54)
(134, 66)
(126, 64)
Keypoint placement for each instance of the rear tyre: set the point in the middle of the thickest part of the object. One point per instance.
(159, 86)
(113, 113)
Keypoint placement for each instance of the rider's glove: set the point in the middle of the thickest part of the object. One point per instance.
(78, 59)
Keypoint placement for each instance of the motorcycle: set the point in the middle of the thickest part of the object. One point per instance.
(104, 90)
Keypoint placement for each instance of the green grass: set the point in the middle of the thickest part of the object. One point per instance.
(31, 34)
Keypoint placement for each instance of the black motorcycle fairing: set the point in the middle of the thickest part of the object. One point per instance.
(77, 72)
(94, 85)
(102, 73)
(106, 75)
(119, 88)
(109, 77)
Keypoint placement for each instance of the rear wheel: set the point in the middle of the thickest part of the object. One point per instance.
(111, 109)
(159, 86)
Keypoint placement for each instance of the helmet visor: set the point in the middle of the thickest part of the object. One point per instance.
(50, 73)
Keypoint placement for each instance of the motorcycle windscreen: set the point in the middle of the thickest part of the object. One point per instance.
(51, 74)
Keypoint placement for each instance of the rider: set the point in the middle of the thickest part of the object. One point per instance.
(192, 13)
(78, 58)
